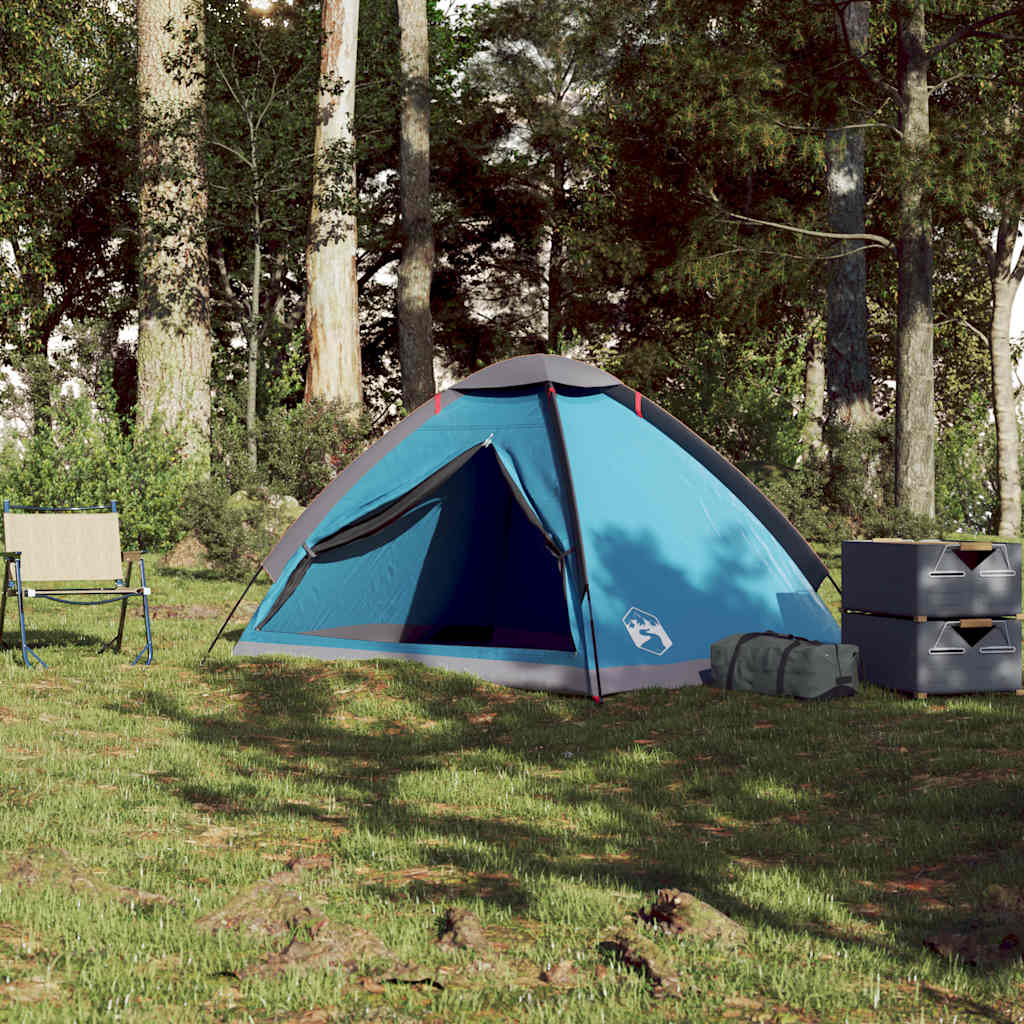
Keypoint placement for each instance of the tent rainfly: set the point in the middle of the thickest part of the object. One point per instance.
(541, 525)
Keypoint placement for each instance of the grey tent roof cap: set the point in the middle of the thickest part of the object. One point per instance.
(537, 369)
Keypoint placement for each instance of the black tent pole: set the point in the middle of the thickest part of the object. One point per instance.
(224, 624)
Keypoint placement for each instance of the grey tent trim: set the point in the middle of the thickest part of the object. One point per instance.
(521, 371)
(746, 490)
(530, 675)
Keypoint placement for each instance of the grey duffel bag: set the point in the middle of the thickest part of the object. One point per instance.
(785, 665)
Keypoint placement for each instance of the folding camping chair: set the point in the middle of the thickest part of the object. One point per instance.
(70, 545)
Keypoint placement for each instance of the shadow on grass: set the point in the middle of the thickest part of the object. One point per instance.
(43, 639)
(804, 818)
(691, 789)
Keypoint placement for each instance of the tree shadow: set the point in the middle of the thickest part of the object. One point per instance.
(693, 789)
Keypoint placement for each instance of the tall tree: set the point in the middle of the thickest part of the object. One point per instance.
(848, 364)
(332, 305)
(915, 364)
(1005, 264)
(415, 271)
(260, 101)
(67, 184)
(174, 348)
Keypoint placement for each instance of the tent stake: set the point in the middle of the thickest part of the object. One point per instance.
(224, 624)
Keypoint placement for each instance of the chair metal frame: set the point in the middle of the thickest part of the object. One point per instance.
(122, 590)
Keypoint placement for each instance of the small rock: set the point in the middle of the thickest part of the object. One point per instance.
(683, 915)
(563, 974)
(189, 553)
(462, 930)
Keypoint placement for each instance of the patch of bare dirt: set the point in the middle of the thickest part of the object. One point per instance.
(276, 906)
(564, 974)
(330, 947)
(189, 553)
(37, 989)
(993, 936)
(51, 868)
(448, 880)
(199, 611)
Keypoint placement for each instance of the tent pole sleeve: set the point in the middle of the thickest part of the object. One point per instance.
(224, 624)
(574, 512)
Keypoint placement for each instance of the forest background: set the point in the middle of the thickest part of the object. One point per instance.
(794, 225)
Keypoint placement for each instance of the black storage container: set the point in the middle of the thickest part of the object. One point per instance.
(938, 656)
(932, 579)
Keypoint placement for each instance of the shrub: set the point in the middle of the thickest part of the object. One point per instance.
(87, 459)
(300, 451)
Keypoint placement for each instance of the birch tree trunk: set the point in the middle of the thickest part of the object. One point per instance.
(1006, 276)
(814, 394)
(174, 348)
(335, 370)
(915, 374)
(416, 269)
(848, 363)
(556, 255)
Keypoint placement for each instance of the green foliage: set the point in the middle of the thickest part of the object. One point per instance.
(88, 459)
(236, 512)
(739, 396)
(300, 449)
(965, 469)
(828, 499)
(67, 190)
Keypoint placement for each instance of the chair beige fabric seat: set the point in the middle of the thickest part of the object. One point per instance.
(74, 548)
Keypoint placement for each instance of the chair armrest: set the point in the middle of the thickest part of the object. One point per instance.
(9, 555)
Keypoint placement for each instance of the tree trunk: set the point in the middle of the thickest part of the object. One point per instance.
(415, 271)
(915, 379)
(848, 363)
(556, 256)
(335, 370)
(174, 348)
(814, 395)
(1005, 282)
(252, 374)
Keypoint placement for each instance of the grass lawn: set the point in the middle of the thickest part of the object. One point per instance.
(280, 840)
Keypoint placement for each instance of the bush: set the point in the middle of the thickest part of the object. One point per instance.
(87, 459)
(300, 451)
(829, 498)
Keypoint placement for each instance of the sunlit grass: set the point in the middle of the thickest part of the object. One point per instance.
(136, 801)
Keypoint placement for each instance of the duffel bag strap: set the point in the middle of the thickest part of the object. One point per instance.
(735, 652)
(784, 657)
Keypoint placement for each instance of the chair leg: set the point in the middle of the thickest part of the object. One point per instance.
(148, 649)
(3, 597)
(115, 644)
(25, 649)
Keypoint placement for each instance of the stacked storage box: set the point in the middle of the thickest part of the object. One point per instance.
(934, 616)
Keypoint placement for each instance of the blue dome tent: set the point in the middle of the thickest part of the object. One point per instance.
(542, 525)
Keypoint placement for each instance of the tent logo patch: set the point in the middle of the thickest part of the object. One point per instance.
(646, 631)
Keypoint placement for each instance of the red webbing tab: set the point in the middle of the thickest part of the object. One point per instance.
(636, 404)
(437, 403)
